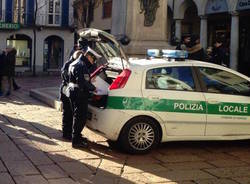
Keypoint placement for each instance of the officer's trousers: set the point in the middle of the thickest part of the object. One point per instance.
(67, 116)
(80, 109)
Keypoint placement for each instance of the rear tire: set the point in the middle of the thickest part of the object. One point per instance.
(140, 135)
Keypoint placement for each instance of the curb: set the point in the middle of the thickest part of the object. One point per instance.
(45, 98)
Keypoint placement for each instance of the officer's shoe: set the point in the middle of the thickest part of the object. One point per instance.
(67, 137)
(80, 144)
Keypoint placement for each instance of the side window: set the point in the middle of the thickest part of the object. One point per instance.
(170, 78)
(220, 81)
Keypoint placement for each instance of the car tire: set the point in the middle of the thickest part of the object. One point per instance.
(140, 135)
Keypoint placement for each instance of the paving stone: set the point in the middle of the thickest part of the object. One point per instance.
(13, 156)
(52, 171)
(179, 158)
(227, 163)
(82, 154)
(216, 181)
(5, 178)
(34, 179)
(38, 157)
(4, 138)
(139, 168)
(105, 179)
(230, 172)
(137, 178)
(74, 167)
(62, 181)
(138, 159)
(8, 147)
(183, 175)
(21, 168)
(83, 178)
(216, 156)
(92, 164)
(187, 165)
(62, 156)
(242, 180)
(2, 167)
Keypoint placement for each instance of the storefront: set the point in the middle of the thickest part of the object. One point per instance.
(243, 8)
(22, 44)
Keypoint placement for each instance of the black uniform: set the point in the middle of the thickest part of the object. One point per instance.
(67, 115)
(79, 77)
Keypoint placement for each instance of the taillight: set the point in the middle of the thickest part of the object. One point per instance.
(121, 80)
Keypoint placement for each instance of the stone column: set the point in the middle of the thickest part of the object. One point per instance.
(178, 29)
(234, 41)
(203, 32)
(127, 19)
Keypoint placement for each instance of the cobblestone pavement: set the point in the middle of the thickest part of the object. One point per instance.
(32, 152)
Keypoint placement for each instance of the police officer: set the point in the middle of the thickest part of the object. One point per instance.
(67, 116)
(80, 88)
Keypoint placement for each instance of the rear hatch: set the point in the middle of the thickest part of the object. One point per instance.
(111, 72)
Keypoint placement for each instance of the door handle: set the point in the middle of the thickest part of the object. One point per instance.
(212, 101)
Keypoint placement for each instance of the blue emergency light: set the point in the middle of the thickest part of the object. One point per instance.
(165, 53)
(153, 53)
(175, 54)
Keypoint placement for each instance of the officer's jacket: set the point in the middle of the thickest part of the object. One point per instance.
(65, 71)
(79, 75)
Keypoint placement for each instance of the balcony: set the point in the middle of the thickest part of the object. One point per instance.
(26, 19)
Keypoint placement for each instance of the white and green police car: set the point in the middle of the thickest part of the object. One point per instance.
(160, 99)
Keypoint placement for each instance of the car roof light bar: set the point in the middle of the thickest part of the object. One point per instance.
(178, 55)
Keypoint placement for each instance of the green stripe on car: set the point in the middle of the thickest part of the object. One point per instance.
(180, 106)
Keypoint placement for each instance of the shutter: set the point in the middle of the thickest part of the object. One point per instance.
(65, 13)
(30, 11)
(9, 10)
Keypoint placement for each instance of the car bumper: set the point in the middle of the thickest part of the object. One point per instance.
(107, 122)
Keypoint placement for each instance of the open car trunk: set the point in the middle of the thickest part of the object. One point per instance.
(110, 65)
(102, 78)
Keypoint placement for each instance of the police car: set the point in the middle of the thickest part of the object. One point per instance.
(168, 98)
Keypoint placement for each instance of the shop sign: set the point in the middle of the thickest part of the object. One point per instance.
(216, 6)
(13, 26)
(243, 5)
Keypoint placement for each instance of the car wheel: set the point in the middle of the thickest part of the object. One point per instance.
(140, 135)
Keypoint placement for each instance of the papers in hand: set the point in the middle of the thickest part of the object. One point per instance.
(102, 86)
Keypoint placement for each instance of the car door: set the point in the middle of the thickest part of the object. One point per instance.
(172, 93)
(228, 102)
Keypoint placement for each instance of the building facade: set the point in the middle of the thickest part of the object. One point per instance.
(210, 19)
(47, 24)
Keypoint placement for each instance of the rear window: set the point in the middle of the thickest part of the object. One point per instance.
(170, 78)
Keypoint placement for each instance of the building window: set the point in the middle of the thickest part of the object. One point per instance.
(107, 8)
(54, 12)
(19, 11)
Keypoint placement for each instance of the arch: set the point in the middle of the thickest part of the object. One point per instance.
(216, 6)
(53, 52)
(23, 44)
(191, 20)
(184, 6)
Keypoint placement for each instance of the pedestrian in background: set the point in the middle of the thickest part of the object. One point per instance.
(185, 42)
(9, 69)
(195, 51)
(219, 54)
